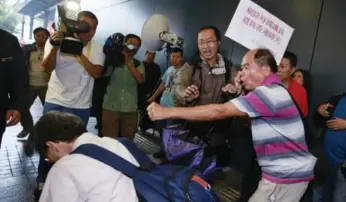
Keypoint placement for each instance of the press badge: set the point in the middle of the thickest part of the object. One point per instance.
(167, 90)
(218, 71)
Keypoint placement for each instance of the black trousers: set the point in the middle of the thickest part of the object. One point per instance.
(43, 169)
(99, 91)
(26, 119)
(252, 172)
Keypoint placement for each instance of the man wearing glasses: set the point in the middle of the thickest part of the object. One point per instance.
(204, 81)
(72, 80)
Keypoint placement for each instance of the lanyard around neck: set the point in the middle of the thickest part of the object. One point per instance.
(87, 54)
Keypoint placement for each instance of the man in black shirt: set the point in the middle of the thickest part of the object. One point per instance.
(146, 89)
(13, 81)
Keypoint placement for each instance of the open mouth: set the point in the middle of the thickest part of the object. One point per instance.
(207, 53)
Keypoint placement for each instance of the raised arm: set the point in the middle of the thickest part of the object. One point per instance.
(50, 53)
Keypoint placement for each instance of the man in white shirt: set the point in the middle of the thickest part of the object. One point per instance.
(72, 80)
(71, 83)
(76, 177)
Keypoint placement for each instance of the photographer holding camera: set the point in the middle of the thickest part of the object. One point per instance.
(72, 78)
(120, 103)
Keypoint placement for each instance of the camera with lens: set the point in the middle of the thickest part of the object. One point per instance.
(70, 26)
(115, 46)
(171, 38)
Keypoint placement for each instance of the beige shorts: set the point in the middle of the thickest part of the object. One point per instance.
(271, 192)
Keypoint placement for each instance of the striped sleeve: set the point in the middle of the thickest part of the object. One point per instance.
(256, 104)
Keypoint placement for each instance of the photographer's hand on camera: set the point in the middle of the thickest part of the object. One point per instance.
(49, 62)
(130, 65)
(56, 38)
(128, 57)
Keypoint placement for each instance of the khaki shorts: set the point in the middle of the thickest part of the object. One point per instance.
(271, 192)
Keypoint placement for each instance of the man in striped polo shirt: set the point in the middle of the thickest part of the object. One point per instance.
(277, 128)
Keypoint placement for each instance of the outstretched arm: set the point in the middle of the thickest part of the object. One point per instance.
(198, 113)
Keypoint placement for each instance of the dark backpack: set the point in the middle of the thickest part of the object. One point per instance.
(154, 182)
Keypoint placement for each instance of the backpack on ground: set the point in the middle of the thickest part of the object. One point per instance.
(152, 182)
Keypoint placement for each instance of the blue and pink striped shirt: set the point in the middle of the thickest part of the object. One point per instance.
(278, 133)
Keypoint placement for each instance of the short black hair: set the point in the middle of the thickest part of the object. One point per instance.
(41, 29)
(177, 50)
(127, 37)
(88, 14)
(291, 57)
(56, 126)
(265, 57)
(215, 29)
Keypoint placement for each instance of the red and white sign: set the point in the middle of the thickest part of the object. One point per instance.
(254, 27)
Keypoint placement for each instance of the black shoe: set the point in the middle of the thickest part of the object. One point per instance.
(38, 191)
(160, 154)
(23, 135)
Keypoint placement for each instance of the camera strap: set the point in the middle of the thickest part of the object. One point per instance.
(87, 54)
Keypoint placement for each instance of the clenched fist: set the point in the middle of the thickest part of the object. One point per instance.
(191, 93)
(156, 112)
(12, 117)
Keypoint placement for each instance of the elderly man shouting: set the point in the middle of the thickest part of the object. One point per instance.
(277, 128)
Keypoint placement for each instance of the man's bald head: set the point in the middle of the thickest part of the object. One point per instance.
(262, 57)
(257, 65)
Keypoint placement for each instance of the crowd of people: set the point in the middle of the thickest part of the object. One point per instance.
(268, 103)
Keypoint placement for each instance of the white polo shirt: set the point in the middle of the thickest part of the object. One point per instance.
(78, 178)
(70, 85)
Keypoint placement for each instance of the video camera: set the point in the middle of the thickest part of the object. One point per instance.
(171, 38)
(115, 46)
(69, 25)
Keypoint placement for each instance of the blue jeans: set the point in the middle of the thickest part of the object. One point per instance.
(83, 114)
(334, 189)
(339, 192)
(43, 165)
(317, 194)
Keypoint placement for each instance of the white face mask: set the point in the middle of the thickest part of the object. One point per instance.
(131, 47)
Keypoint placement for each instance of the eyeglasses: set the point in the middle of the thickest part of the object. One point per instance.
(208, 43)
